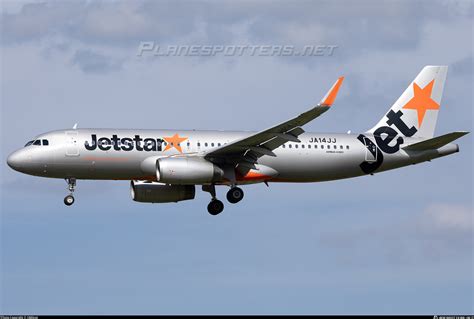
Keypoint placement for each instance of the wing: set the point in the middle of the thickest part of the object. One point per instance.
(245, 152)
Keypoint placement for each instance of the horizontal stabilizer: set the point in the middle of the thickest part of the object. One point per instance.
(435, 143)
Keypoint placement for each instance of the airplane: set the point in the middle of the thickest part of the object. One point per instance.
(167, 165)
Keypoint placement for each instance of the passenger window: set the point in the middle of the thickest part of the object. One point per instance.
(302, 145)
(284, 146)
(205, 144)
(347, 146)
(296, 145)
(289, 145)
(212, 144)
(322, 146)
(309, 146)
(199, 144)
(341, 147)
(316, 146)
(335, 147)
(45, 142)
(218, 144)
(37, 142)
(188, 144)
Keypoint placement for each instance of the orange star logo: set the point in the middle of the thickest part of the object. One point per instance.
(422, 101)
(174, 141)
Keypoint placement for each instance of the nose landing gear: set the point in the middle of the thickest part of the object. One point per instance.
(69, 199)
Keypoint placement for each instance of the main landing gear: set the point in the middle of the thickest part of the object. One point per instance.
(215, 207)
(235, 195)
(69, 199)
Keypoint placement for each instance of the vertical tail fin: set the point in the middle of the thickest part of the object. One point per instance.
(416, 111)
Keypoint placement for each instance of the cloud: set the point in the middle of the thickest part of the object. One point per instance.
(388, 31)
(448, 218)
(98, 23)
(464, 66)
(92, 62)
(114, 21)
(387, 25)
(36, 21)
(434, 233)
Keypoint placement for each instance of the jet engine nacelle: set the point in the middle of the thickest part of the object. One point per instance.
(187, 170)
(152, 192)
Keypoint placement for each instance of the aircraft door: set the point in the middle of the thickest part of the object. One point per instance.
(370, 150)
(72, 148)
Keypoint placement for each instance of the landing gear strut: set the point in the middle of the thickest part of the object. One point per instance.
(69, 199)
(215, 207)
(235, 195)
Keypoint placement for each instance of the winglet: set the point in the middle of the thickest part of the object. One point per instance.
(330, 97)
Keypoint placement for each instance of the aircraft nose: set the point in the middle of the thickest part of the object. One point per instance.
(15, 160)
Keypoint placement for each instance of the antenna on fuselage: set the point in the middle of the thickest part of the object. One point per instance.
(75, 126)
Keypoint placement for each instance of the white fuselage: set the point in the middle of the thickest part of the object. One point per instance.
(131, 155)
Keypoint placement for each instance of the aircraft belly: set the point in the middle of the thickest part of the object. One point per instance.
(113, 166)
(314, 167)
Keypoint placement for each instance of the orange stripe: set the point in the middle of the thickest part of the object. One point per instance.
(252, 176)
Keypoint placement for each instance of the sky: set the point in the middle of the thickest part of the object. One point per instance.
(399, 242)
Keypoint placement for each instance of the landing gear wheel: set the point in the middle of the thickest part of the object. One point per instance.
(215, 207)
(71, 185)
(69, 200)
(235, 195)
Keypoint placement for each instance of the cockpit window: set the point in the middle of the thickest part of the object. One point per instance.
(37, 142)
